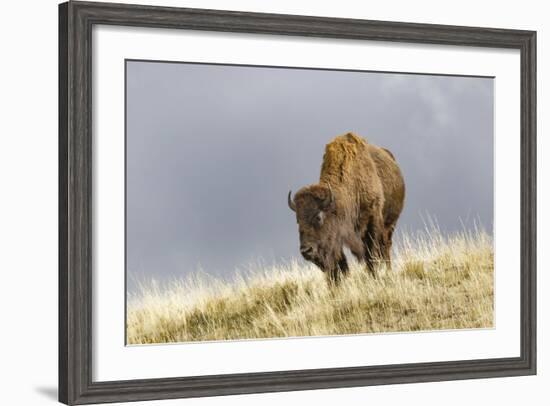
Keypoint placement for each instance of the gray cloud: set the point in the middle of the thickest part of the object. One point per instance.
(212, 151)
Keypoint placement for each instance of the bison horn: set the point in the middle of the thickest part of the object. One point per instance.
(290, 202)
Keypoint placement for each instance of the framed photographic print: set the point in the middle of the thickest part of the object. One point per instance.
(257, 202)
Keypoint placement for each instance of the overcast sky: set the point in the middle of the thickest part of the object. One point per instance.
(213, 150)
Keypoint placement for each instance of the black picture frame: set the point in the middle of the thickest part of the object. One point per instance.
(76, 20)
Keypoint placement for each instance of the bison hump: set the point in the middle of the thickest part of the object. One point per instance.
(353, 138)
(389, 153)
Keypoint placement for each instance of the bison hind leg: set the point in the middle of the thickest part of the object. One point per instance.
(375, 244)
(388, 244)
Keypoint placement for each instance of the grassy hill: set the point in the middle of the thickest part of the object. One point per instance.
(436, 283)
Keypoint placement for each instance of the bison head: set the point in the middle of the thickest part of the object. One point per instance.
(315, 207)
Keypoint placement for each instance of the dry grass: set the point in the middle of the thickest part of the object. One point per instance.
(435, 283)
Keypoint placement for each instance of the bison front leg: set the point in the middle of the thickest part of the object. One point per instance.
(333, 276)
(343, 264)
(339, 270)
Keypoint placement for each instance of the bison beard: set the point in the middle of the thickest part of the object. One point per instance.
(356, 203)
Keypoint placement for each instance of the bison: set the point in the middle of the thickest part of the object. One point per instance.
(356, 203)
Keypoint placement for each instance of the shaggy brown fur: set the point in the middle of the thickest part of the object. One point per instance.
(356, 204)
